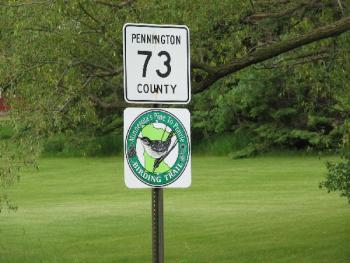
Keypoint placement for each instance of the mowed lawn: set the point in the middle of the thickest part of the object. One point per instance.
(265, 209)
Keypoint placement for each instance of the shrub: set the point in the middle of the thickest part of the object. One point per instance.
(5, 132)
(338, 177)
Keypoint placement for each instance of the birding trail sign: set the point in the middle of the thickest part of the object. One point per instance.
(157, 148)
(156, 64)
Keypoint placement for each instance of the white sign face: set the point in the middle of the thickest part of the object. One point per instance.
(156, 64)
(157, 148)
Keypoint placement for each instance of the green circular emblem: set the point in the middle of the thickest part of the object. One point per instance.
(157, 148)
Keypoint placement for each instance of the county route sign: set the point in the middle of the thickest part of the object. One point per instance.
(156, 64)
(157, 148)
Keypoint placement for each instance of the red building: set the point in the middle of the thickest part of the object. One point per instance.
(3, 106)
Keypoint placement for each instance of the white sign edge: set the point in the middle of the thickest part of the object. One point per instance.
(188, 62)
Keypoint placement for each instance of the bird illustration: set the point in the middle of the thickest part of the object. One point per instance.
(157, 149)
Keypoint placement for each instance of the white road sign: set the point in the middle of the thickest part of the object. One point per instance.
(156, 64)
(157, 148)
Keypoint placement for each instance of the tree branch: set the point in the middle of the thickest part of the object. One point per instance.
(88, 14)
(199, 65)
(28, 3)
(107, 105)
(285, 13)
(299, 61)
(274, 50)
(340, 6)
(114, 5)
(96, 70)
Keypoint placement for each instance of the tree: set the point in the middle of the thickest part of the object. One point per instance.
(338, 177)
(61, 67)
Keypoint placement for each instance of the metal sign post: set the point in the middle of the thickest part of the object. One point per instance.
(157, 226)
(157, 223)
(157, 145)
(157, 142)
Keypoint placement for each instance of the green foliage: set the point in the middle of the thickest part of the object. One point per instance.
(61, 72)
(250, 150)
(79, 145)
(221, 144)
(5, 130)
(295, 112)
(338, 177)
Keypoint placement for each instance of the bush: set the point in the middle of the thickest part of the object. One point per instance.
(5, 132)
(338, 177)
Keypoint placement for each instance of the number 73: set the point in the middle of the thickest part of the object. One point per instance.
(148, 55)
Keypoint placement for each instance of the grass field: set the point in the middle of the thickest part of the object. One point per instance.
(265, 209)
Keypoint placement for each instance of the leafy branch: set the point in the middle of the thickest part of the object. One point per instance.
(273, 50)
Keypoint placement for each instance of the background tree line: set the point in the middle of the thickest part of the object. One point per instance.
(272, 72)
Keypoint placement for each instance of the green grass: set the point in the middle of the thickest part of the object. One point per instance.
(266, 209)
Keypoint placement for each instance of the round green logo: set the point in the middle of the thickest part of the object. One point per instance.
(157, 148)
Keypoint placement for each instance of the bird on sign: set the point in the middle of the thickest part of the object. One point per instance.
(158, 149)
